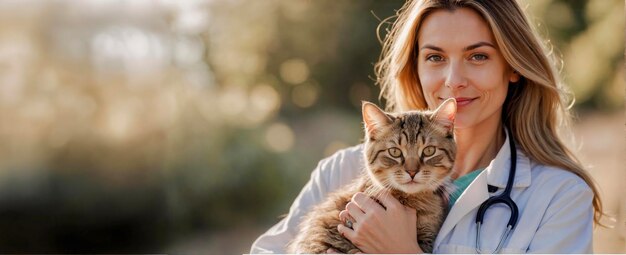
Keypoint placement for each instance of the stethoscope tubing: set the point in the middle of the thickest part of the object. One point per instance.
(504, 198)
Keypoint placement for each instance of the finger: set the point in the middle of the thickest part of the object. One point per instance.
(346, 232)
(366, 203)
(345, 215)
(355, 211)
(389, 201)
(332, 251)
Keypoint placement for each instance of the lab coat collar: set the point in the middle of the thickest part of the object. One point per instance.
(496, 174)
(499, 168)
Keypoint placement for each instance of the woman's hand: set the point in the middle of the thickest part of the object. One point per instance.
(379, 230)
(333, 251)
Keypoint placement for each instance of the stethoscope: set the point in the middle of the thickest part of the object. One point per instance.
(504, 198)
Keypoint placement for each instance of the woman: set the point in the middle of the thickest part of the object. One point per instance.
(485, 54)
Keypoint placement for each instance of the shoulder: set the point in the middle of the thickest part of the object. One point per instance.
(342, 167)
(348, 156)
(557, 189)
(557, 178)
(566, 203)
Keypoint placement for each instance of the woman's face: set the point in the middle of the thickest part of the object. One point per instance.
(459, 58)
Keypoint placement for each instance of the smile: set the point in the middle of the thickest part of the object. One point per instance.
(463, 101)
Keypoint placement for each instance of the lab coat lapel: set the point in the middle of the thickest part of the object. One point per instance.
(496, 174)
(499, 169)
(472, 197)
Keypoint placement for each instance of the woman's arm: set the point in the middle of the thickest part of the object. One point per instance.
(568, 223)
(330, 174)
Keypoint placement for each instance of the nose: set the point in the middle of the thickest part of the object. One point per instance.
(455, 77)
(411, 166)
(412, 173)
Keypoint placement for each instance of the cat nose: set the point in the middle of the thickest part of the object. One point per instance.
(411, 173)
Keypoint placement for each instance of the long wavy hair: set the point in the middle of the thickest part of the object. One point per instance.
(536, 108)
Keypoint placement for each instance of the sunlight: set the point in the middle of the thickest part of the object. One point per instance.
(279, 137)
(294, 71)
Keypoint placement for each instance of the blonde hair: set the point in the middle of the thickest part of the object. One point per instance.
(536, 108)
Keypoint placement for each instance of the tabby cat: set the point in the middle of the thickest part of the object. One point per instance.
(408, 154)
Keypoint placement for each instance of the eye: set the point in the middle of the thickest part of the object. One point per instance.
(434, 58)
(395, 152)
(479, 57)
(429, 151)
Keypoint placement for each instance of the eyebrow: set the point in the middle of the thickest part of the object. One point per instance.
(471, 47)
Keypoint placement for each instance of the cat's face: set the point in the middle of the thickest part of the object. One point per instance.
(412, 151)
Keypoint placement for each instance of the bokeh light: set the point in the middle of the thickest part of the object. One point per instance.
(305, 95)
(279, 137)
(294, 71)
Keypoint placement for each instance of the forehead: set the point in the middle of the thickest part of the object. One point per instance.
(461, 26)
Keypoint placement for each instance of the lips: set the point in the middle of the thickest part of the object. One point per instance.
(463, 101)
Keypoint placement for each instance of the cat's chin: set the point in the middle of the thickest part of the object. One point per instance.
(412, 187)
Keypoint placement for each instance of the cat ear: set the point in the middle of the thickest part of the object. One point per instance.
(445, 113)
(374, 118)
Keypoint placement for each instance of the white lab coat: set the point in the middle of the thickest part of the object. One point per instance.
(555, 207)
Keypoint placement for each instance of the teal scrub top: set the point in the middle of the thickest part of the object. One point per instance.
(461, 184)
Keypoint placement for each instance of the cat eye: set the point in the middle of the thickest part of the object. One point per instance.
(429, 151)
(395, 152)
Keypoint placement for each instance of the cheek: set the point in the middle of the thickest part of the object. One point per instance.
(443, 171)
(494, 94)
(486, 79)
(429, 78)
(385, 170)
(430, 83)
(437, 173)
(487, 82)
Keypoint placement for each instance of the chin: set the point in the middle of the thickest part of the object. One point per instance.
(412, 188)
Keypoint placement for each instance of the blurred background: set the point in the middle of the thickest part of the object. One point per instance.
(190, 126)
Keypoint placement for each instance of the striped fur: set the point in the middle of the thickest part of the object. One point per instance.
(410, 133)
